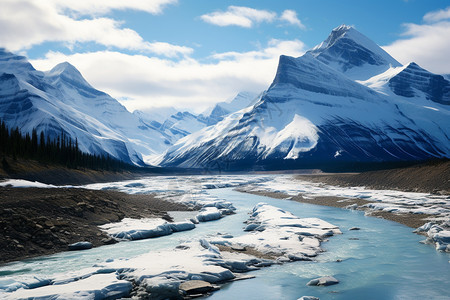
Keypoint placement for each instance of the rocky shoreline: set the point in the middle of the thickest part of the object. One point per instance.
(43, 221)
(410, 220)
(432, 177)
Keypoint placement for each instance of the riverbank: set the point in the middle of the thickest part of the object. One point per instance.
(410, 220)
(432, 177)
(42, 221)
(32, 170)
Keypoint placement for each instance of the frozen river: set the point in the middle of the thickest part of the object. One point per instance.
(382, 260)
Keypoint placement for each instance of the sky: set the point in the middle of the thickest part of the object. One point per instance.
(190, 54)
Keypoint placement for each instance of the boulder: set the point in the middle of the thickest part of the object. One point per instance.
(324, 281)
(238, 248)
(191, 287)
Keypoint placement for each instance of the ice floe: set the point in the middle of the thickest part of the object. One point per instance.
(20, 183)
(325, 281)
(137, 229)
(177, 185)
(98, 286)
(437, 235)
(80, 246)
(277, 232)
(387, 200)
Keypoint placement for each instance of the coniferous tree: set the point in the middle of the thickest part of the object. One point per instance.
(61, 150)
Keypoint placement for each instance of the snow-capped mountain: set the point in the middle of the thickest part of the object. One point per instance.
(348, 51)
(242, 100)
(61, 100)
(158, 114)
(182, 123)
(345, 101)
(175, 126)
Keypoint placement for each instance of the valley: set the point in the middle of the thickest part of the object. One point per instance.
(264, 195)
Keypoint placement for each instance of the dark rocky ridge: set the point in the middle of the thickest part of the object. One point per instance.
(413, 78)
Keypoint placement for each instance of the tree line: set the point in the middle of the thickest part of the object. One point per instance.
(61, 150)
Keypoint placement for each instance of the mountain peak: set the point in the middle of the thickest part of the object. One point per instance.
(338, 33)
(64, 68)
(67, 71)
(346, 49)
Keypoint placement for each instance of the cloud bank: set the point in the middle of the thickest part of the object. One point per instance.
(25, 23)
(239, 16)
(248, 17)
(426, 44)
(154, 82)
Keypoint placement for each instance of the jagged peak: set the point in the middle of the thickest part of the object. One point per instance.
(349, 32)
(335, 35)
(414, 67)
(346, 49)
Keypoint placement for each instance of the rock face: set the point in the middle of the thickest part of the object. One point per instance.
(330, 108)
(413, 80)
(324, 281)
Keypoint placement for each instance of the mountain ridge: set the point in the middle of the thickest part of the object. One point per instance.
(354, 123)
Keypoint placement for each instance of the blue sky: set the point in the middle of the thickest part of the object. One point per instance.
(192, 53)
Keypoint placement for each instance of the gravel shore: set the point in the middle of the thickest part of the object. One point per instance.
(36, 221)
(432, 177)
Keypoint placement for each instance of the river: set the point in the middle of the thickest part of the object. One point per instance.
(382, 260)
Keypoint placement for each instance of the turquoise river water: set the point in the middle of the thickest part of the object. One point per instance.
(383, 260)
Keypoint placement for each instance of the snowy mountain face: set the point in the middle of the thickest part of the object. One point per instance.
(62, 101)
(353, 54)
(222, 109)
(346, 101)
(179, 124)
(413, 81)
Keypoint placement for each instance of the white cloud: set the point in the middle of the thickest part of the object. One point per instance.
(188, 83)
(105, 6)
(239, 16)
(24, 23)
(436, 16)
(426, 44)
(290, 16)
